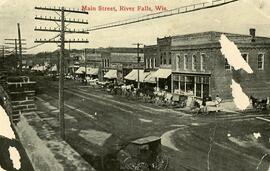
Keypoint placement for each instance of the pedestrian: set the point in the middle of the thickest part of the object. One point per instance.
(217, 103)
(203, 106)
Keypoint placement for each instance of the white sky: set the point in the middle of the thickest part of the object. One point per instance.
(236, 18)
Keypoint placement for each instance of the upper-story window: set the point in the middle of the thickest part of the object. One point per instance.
(245, 56)
(150, 63)
(177, 64)
(203, 61)
(146, 63)
(227, 65)
(261, 61)
(108, 62)
(185, 62)
(161, 59)
(194, 62)
(105, 62)
(164, 61)
(154, 62)
(170, 60)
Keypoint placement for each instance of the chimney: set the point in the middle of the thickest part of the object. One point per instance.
(252, 33)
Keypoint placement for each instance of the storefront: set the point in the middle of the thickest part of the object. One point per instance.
(163, 77)
(197, 85)
(111, 74)
(92, 72)
(133, 76)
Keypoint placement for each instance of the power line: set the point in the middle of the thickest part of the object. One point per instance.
(32, 47)
(167, 13)
(189, 8)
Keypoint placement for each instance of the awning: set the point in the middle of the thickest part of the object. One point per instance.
(81, 70)
(53, 68)
(74, 66)
(111, 74)
(162, 73)
(150, 78)
(133, 75)
(39, 68)
(92, 71)
(89, 71)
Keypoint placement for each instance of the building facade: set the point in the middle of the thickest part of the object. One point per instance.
(121, 59)
(199, 68)
(151, 59)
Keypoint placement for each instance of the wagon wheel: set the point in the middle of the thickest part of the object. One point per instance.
(161, 162)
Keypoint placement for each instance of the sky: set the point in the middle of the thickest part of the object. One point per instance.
(237, 17)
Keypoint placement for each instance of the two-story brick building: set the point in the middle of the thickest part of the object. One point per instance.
(158, 60)
(199, 68)
(120, 61)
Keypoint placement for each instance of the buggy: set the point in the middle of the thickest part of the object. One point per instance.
(146, 155)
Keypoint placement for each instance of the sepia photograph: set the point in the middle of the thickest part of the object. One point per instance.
(135, 85)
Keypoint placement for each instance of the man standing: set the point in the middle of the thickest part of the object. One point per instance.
(217, 103)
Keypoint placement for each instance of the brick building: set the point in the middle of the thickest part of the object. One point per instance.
(199, 68)
(151, 60)
(158, 60)
(121, 61)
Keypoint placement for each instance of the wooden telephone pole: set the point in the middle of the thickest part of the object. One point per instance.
(20, 47)
(17, 44)
(138, 61)
(62, 30)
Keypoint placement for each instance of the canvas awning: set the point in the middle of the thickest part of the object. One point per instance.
(53, 68)
(39, 68)
(92, 71)
(81, 70)
(133, 75)
(111, 74)
(162, 73)
(150, 78)
(89, 71)
(74, 66)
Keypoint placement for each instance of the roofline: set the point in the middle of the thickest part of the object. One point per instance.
(194, 33)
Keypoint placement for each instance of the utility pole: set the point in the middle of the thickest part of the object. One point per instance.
(85, 67)
(62, 30)
(61, 78)
(3, 55)
(20, 47)
(17, 43)
(138, 61)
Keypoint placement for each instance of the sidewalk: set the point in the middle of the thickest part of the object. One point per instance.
(46, 150)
